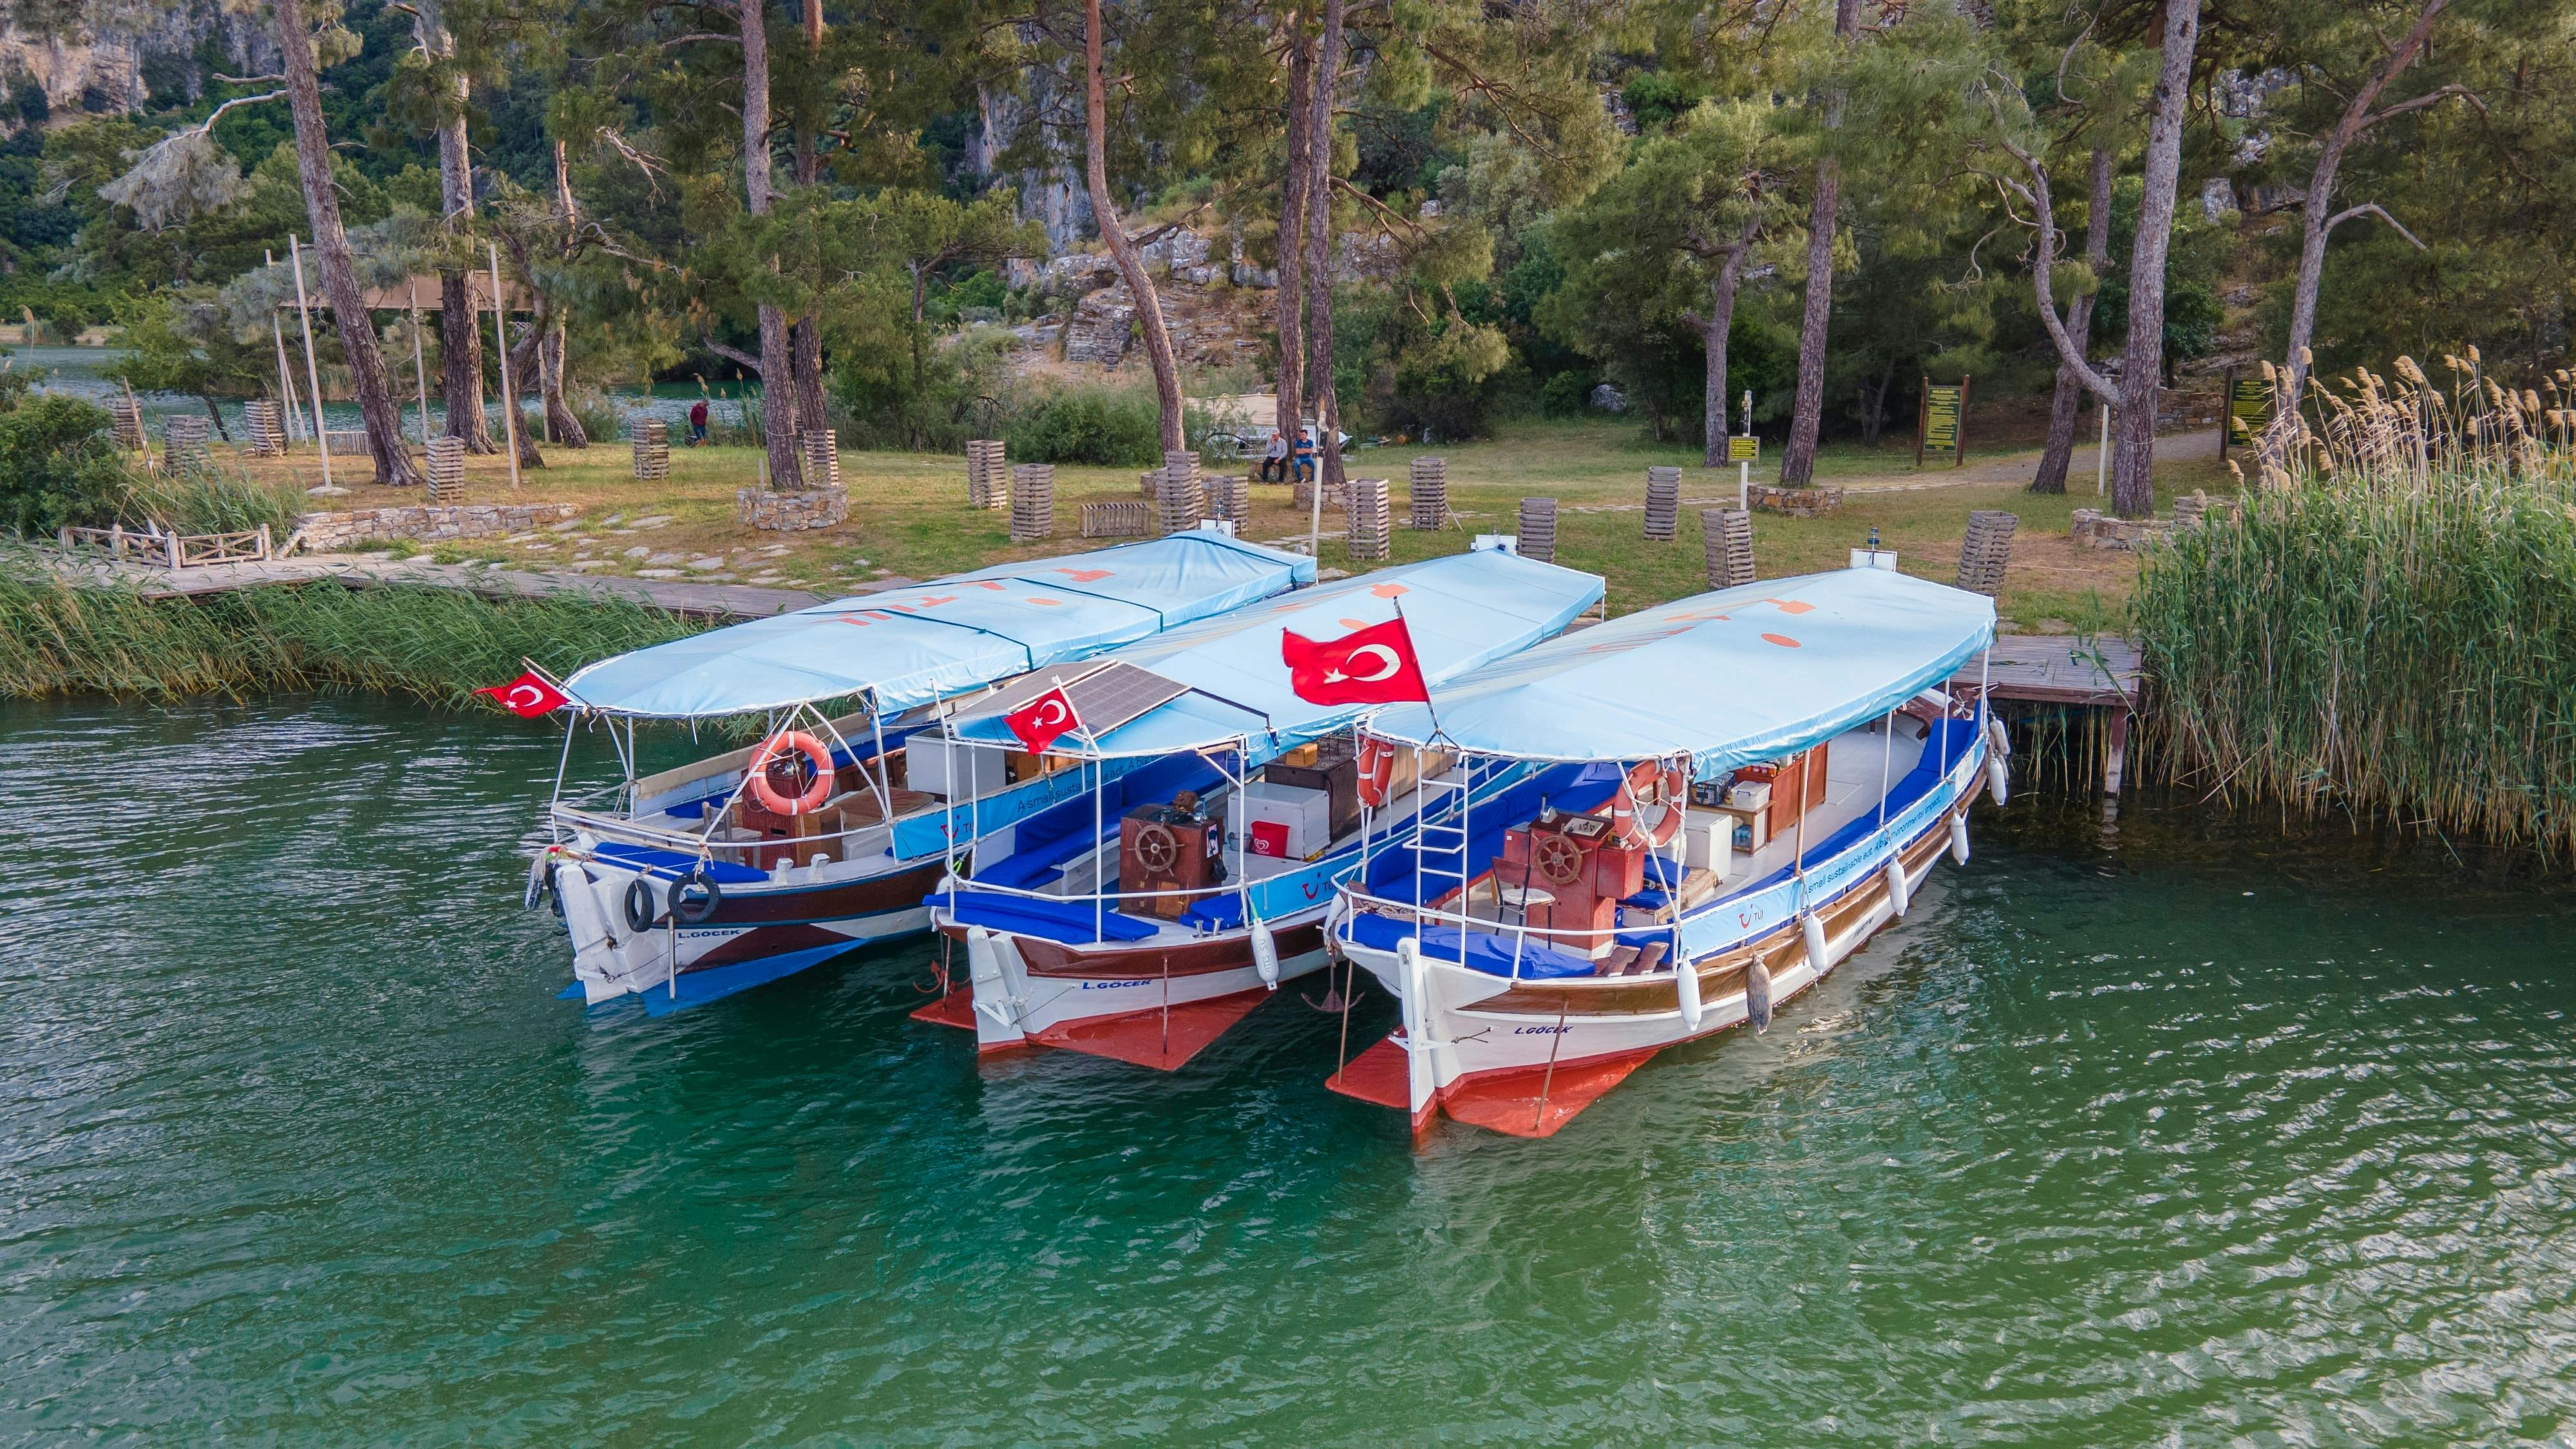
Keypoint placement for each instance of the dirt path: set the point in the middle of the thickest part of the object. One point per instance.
(2018, 467)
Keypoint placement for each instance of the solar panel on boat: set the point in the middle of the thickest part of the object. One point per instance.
(1105, 696)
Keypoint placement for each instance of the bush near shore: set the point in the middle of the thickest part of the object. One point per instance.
(429, 644)
(2390, 625)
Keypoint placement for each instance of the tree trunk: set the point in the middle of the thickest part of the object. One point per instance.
(805, 346)
(460, 339)
(1319, 249)
(567, 429)
(2316, 213)
(331, 250)
(2133, 490)
(217, 415)
(1149, 302)
(1714, 329)
(1290, 299)
(2068, 400)
(777, 372)
(527, 378)
(1798, 460)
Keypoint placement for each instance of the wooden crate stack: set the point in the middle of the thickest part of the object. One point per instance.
(1663, 504)
(1538, 529)
(652, 449)
(1430, 493)
(1032, 502)
(1369, 525)
(1119, 518)
(1987, 551)
(1728, 533)
(183, 440)
(265, 424)
(349, 442)
(1229, 497)
(447, 469)
(1181, 502)
(988, 477)
(822, 450)
(129, 423)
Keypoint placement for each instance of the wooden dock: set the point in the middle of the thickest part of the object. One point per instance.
(2098, 671)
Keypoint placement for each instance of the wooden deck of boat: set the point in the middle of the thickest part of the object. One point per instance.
(2099, 669)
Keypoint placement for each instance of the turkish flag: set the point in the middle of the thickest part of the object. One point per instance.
(1375, 665)
(528, 696)
(1042, 719)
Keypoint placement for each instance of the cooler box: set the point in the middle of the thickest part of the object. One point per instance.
(1287, 822)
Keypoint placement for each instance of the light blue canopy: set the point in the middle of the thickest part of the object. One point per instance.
(1462, 611)
(1730, 678)
(907, 647)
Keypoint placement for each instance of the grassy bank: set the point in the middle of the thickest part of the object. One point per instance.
(433, 645)
(2383, 637)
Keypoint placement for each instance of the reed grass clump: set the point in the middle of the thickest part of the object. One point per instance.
(433, 645)
(2388, 625)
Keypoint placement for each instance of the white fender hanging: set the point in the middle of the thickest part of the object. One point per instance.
(1997, 735)
(1899, 894)
(1265, 954)
(1686, 983)
(1998, 777)
(1812, 931)
(1959, 837)
(1757, 995)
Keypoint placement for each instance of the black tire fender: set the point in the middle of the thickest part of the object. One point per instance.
(642, 911)
(695, 897)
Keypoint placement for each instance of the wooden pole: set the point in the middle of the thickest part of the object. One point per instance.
(419, 374)
(285, 378)
(1960, 432)
(509, 405)
(2226, 415)
(2102, 456)
(1922, 418)
(312, 369)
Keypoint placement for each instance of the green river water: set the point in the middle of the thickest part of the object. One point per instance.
(2181, 1133)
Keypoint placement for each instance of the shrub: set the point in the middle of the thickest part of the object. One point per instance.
(59, 466)
(1566, 395)
(1091, 425)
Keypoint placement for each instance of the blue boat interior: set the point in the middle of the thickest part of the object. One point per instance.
(1393, 876)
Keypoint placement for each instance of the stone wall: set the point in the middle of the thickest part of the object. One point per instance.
(2092, 528)
(791, 510)
(339, 532)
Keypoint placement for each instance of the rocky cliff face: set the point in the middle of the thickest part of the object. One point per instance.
(101, 65)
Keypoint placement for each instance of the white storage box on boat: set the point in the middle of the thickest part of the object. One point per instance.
(1749, 795)
(1288, 822)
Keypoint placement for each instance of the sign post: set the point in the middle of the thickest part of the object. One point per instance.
(1743, 452)
(1941, 422)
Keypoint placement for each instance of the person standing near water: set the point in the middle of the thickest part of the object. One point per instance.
(697, 422)
(1274, 459)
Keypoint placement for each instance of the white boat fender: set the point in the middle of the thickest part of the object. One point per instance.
(947, 885)
(1757, 995)
(1998, 736)
(1899, 894)
(1265, 955)
(1812, 931)
(1686, 984)
(1959, 837)
(1998, 778)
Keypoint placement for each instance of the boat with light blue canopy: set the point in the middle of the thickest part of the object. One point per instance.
(1145, 916)
(695, 882)
(1725, 796)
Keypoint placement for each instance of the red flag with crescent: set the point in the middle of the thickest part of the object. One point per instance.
(528, 696)
(1042, 719)
(1375, 665)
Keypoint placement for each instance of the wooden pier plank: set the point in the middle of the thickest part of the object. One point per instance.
(2100, 669)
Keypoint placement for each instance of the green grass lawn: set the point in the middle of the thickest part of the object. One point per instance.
(908, 515)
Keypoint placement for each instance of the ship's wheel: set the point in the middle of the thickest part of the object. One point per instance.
(1556, 857)
(1156, 850)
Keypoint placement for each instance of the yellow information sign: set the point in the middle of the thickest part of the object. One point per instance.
(1941, 409)
(2249, 406)
(1740, 449)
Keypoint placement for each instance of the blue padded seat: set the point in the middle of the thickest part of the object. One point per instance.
(1070, 922)
(673, 864)
(1216, 913)
(1486, 952)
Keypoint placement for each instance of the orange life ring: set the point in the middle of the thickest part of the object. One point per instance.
(768, 794)
(1647, 784)
(1376, 772)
